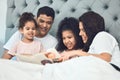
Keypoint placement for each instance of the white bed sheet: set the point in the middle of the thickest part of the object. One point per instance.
(82, 68)
(13, 70)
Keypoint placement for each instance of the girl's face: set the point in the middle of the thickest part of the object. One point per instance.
(68, 39)
(28, 31)
(82, 32)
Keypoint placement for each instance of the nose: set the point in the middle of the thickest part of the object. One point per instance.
(44, 24)
(31, 30)
(66, 40)
(80, 33)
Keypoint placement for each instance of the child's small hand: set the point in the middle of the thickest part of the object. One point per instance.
(50, 55)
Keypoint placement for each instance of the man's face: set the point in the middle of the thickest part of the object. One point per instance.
(44, 23)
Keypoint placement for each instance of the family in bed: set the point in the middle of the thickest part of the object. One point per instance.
(75, 38)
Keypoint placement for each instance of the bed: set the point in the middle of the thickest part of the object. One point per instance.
(79, 68)
(109, 9)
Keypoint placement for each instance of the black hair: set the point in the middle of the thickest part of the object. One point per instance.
(92, 24)
(71, 24)
(47, 11)
(25, 17)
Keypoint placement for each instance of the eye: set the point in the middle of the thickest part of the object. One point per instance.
(69, 37)
(63, 38)
(27, 28)
(33, 28)
(41, 21)
(82, 30)
(49, 22)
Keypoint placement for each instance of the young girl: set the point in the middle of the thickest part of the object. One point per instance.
(28, 45)
(68, 37)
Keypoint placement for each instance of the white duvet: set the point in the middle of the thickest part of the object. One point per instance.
(82, 68)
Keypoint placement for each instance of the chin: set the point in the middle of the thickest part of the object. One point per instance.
(70, 49)
(43, 33)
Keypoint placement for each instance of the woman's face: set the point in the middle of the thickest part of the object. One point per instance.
(82, 32)
(68, 39)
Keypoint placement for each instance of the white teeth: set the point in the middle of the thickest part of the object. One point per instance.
(43, 29)
(68, 45)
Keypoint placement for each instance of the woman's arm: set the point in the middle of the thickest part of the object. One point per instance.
(66, 55)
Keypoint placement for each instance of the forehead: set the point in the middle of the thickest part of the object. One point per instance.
(68, 32)
(80, 25)
(45, 17)
(29, 24)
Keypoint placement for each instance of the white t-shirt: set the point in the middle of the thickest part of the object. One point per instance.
(104, 42)
(48, 41)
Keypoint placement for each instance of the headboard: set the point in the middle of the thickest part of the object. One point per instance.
(109, 9)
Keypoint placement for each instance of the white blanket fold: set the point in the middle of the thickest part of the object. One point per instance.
(81, 68)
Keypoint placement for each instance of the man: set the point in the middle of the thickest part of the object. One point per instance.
(45, 19)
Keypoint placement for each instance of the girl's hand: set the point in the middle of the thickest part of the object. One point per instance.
(67, 55)
(50, 55)
(70, 54)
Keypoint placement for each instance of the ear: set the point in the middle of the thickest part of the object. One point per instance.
(36, 19)
(21, 30)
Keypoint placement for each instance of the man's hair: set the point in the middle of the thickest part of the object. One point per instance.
(47, 11)
(92, 24)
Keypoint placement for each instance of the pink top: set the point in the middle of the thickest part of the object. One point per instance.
(26, 48)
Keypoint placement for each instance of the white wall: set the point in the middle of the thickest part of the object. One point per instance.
(3, 9)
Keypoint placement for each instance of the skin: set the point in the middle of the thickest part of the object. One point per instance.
(82, 33)
(68, 39)
(66, 55)
(28, 32)
(50, 56)
(44, 23)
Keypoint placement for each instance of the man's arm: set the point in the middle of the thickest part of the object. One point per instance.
(11, 42)
(6, 55)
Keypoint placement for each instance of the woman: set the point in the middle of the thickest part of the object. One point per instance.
(98, 43)
(79, 68)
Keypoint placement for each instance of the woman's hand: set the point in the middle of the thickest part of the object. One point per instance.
(69, 54)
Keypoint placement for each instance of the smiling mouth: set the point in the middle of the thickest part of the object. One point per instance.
(43, 29)
(68, 46)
